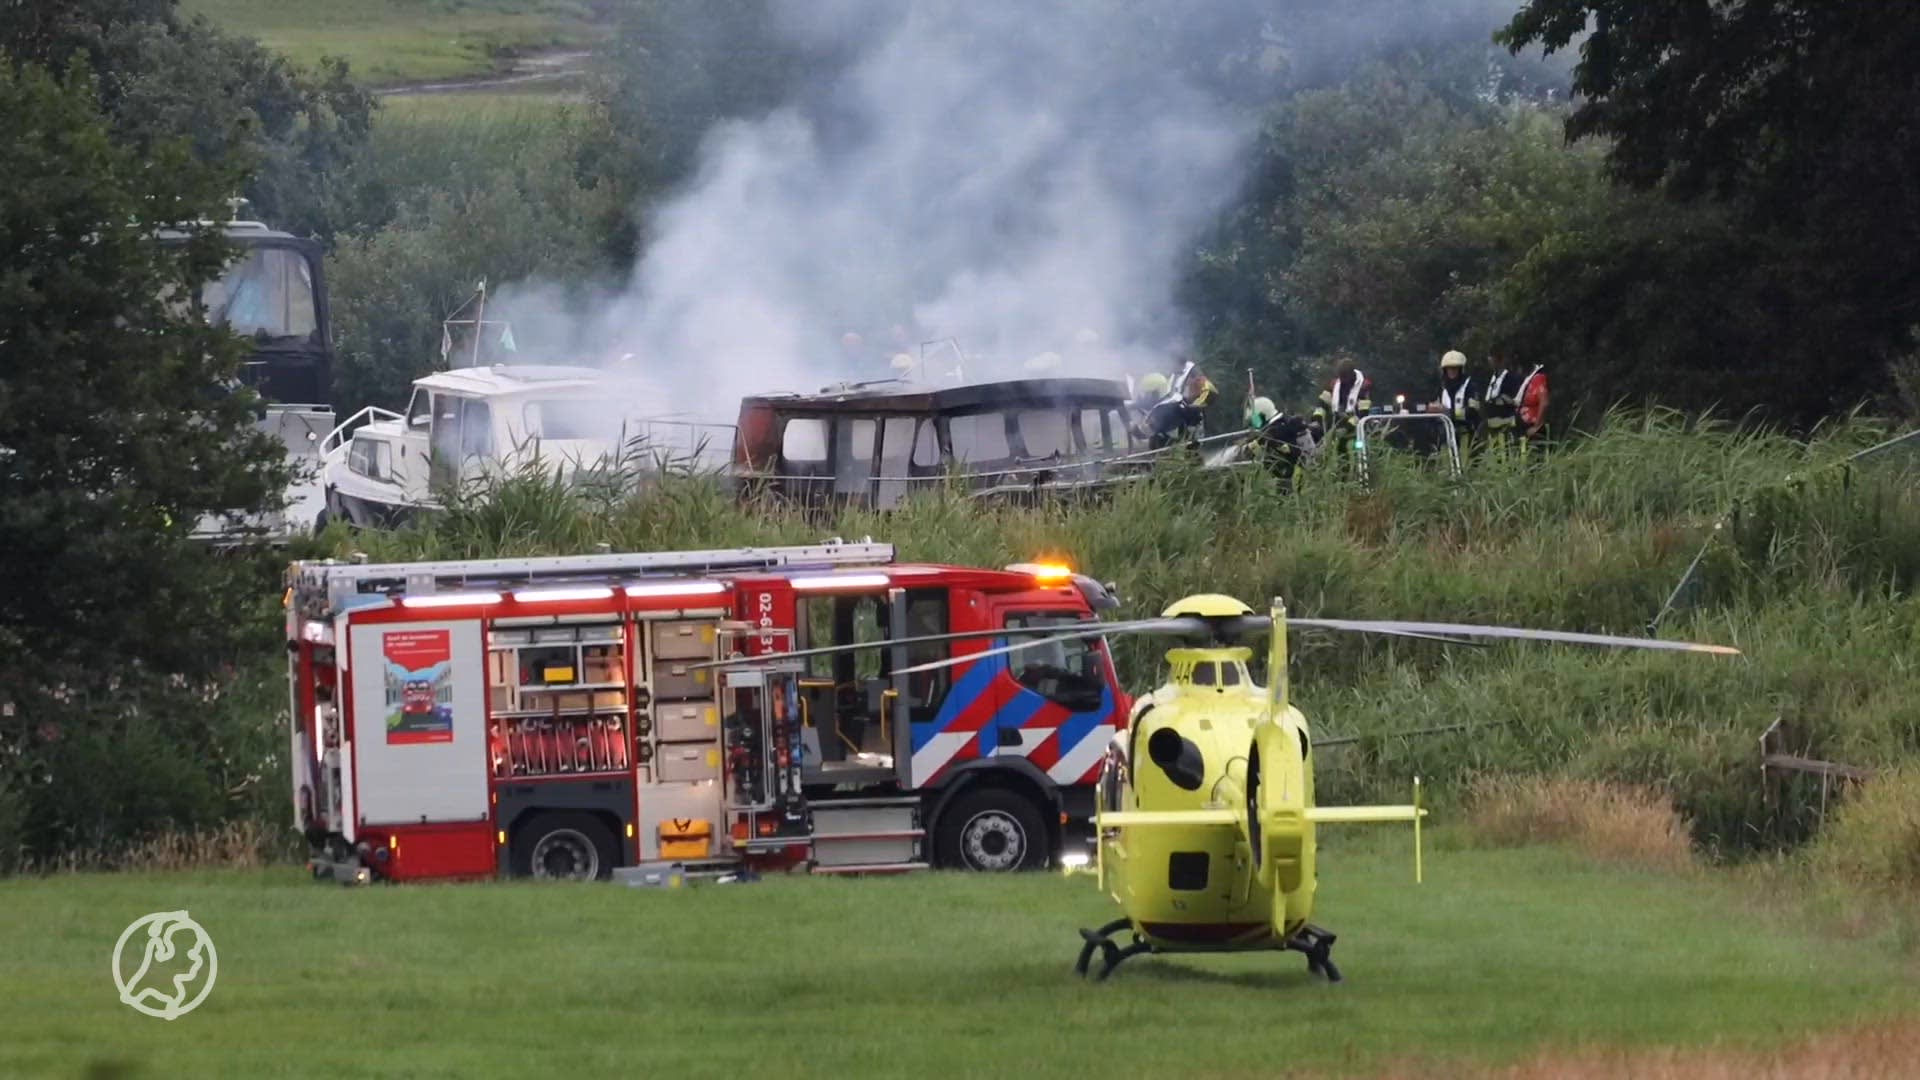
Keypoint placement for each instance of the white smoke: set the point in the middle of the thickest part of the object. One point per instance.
(980, 173)
(1003, 179)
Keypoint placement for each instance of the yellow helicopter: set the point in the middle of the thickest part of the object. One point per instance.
(1211, 848)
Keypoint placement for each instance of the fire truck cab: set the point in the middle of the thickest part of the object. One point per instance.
(569, 717)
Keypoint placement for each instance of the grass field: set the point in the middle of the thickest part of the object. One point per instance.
(396, 41)
(1501, 956)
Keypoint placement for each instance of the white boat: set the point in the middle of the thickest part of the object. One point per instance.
(471, 423)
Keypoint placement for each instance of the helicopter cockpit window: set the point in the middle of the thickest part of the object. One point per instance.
(1203, 674)
(1067, 672)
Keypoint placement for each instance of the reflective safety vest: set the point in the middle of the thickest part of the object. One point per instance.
(1456, 402)
(1345, 402)
(1497, 404)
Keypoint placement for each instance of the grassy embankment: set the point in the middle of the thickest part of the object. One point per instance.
(1813, 581)
(1503, 955)
(401, 41)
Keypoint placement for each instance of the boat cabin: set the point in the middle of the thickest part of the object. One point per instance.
(470, 422)
(871, 443)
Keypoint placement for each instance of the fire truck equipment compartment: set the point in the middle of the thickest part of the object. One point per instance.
(681, 763)
(689, 722)
(680, 681)
(689, 640)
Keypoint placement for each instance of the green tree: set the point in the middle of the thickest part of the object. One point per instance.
(163, 76)
(492, 196)
(1795, 114)
(118, 432)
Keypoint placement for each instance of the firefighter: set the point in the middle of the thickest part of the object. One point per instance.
(1283, 442)
(1180, 416)
(1514, 403)
(1347, 398)
(1498, 401)
(1531, 402)
(1148, 392)
(1456, 393)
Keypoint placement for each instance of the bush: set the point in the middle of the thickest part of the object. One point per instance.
(1608, 821)
(1873, 839)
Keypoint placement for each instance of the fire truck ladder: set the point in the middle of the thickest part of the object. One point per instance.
(338, 585)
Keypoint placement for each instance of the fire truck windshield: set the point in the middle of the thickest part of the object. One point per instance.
(1066, 672)
(265, 293)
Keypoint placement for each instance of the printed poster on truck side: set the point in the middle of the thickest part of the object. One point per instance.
(419, 685)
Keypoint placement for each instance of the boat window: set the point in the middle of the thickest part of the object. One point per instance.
(443, 445)
(420, 409)
(1090, 431)
(853, 455)
(1044, 432)
(371, 459)
(804, 442)
(896, 452)
(979, 437)
(1065, 672)
(926, 446)
(267, 292)
(567, 420)
(476, 430)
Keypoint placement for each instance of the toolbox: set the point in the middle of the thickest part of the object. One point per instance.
(686, 838)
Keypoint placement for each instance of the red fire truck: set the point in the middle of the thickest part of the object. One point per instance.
(571, 717)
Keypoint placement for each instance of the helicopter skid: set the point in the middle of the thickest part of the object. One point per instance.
(1111, 954)
(1318, 945)
(1313, 941)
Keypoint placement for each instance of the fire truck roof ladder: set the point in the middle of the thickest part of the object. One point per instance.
(337, 583)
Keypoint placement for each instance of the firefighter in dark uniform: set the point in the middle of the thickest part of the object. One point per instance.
(1457, 398)
(1345, 400)
(1282, 442)
(1180, 416)
(1514, 404)
(1499, 399)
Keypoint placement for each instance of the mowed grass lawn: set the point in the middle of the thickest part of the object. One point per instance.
(395, 41)
(1499, 955)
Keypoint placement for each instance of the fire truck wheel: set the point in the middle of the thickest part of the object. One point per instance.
(567, 847)
(991, 830)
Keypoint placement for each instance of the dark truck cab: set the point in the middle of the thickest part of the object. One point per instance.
(869, 444)
(274, 296)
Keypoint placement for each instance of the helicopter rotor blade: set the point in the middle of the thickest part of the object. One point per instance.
(1183, 625)
(1349, 740)
(1053, 632)
(1368, 626)
(1240, 626)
